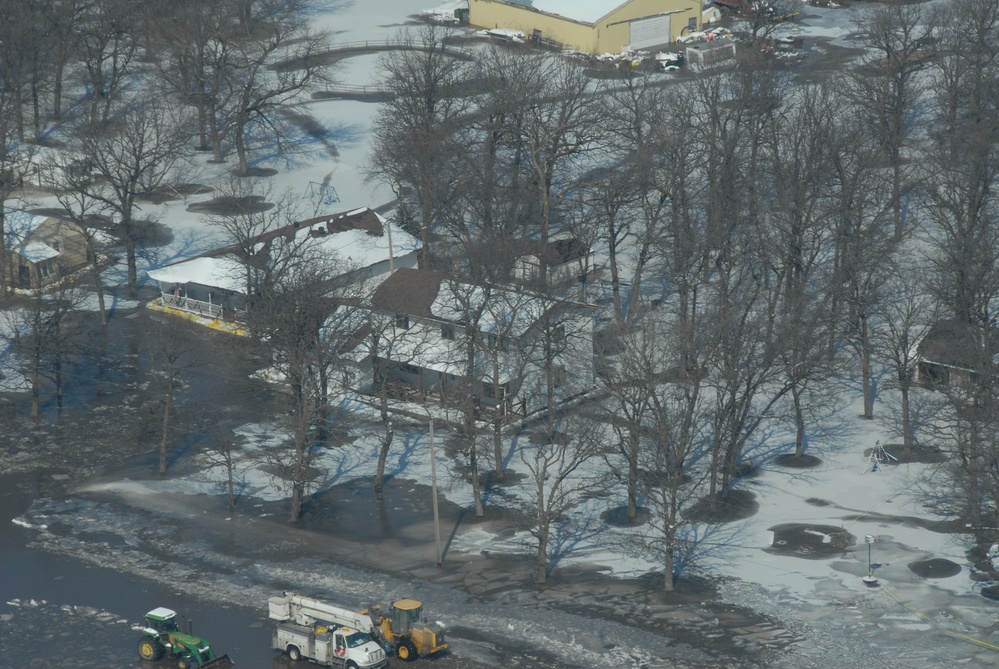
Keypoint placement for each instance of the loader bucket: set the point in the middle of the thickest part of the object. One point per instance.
(218, 663)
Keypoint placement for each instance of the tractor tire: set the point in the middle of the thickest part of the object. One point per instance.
(406, 651)
(186, 662)
(294, 653)
(150, 649)
(350, 665)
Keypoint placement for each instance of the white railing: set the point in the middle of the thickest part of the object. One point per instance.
(206, 309)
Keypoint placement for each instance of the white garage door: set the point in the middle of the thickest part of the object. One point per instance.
(650, 32)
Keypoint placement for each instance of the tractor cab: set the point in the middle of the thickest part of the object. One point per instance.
(162, 620)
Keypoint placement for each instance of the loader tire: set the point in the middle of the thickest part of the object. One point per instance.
(150, 649)
(186, 662)
(294, 653)
(406, 651)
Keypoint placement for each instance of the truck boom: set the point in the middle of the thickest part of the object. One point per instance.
(308, 611)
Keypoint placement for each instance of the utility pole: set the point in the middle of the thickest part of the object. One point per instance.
(433, 487)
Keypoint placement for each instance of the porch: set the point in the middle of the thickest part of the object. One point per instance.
(203, 308)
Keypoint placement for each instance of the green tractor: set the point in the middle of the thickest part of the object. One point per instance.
(161, 636)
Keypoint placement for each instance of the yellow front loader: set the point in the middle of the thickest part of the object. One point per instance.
(406, 631)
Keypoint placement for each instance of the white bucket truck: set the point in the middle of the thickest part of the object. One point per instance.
(329, 635)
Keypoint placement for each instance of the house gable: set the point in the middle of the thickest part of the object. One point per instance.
(40, 250)
(956, 354)
(423, 344)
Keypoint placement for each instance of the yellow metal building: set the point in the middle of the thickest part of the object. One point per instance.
(593, 26)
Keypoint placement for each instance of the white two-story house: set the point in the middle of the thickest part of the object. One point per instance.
(435, 335)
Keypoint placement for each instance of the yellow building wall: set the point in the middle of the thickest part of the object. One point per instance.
(609, 34)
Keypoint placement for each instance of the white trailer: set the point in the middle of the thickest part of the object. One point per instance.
(329, 635)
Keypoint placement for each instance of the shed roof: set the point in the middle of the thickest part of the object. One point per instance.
(586, 11)
(957, 344)
(357, 235)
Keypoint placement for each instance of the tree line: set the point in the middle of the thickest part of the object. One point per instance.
(769, 231)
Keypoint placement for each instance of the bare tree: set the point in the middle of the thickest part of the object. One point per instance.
(254, 209)
(907, 314)
(676, 445)
(799, 240)
(166, 366)
(268, 71)
(15, 157)
(197, 38)
(560, 466)
(556, 126)
(43, 330)
(742, 362)
(73, 190)
(222, 451)
(134, 154)
(961, 160)
(885, 86)
(305, 316)
(413, 137)
(468, 304)
(107, 41)
(60, 21)
(398, 345)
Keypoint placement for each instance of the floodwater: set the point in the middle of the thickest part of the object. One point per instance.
(58, 611)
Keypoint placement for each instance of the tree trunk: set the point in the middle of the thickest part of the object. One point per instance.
(58, 382)
(3, 245)
(57, 89)
(799, 422)
(497, 422)
(541, 567)
(36, 402)
(669, 552)
(164, 439)
(473, 462)
(239, 143)
(498, 445)
(865, 368)
(298, 470)
(906, 424)
(383, 453)
(633, 444)
(615, 278)
(95, 272)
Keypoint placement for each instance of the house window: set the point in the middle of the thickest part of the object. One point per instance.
(558, 376)
(447, 332)
(55, 246)
(692, 23)
(489, 391)
(558, 334)
(402, 321)
(497, 342)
